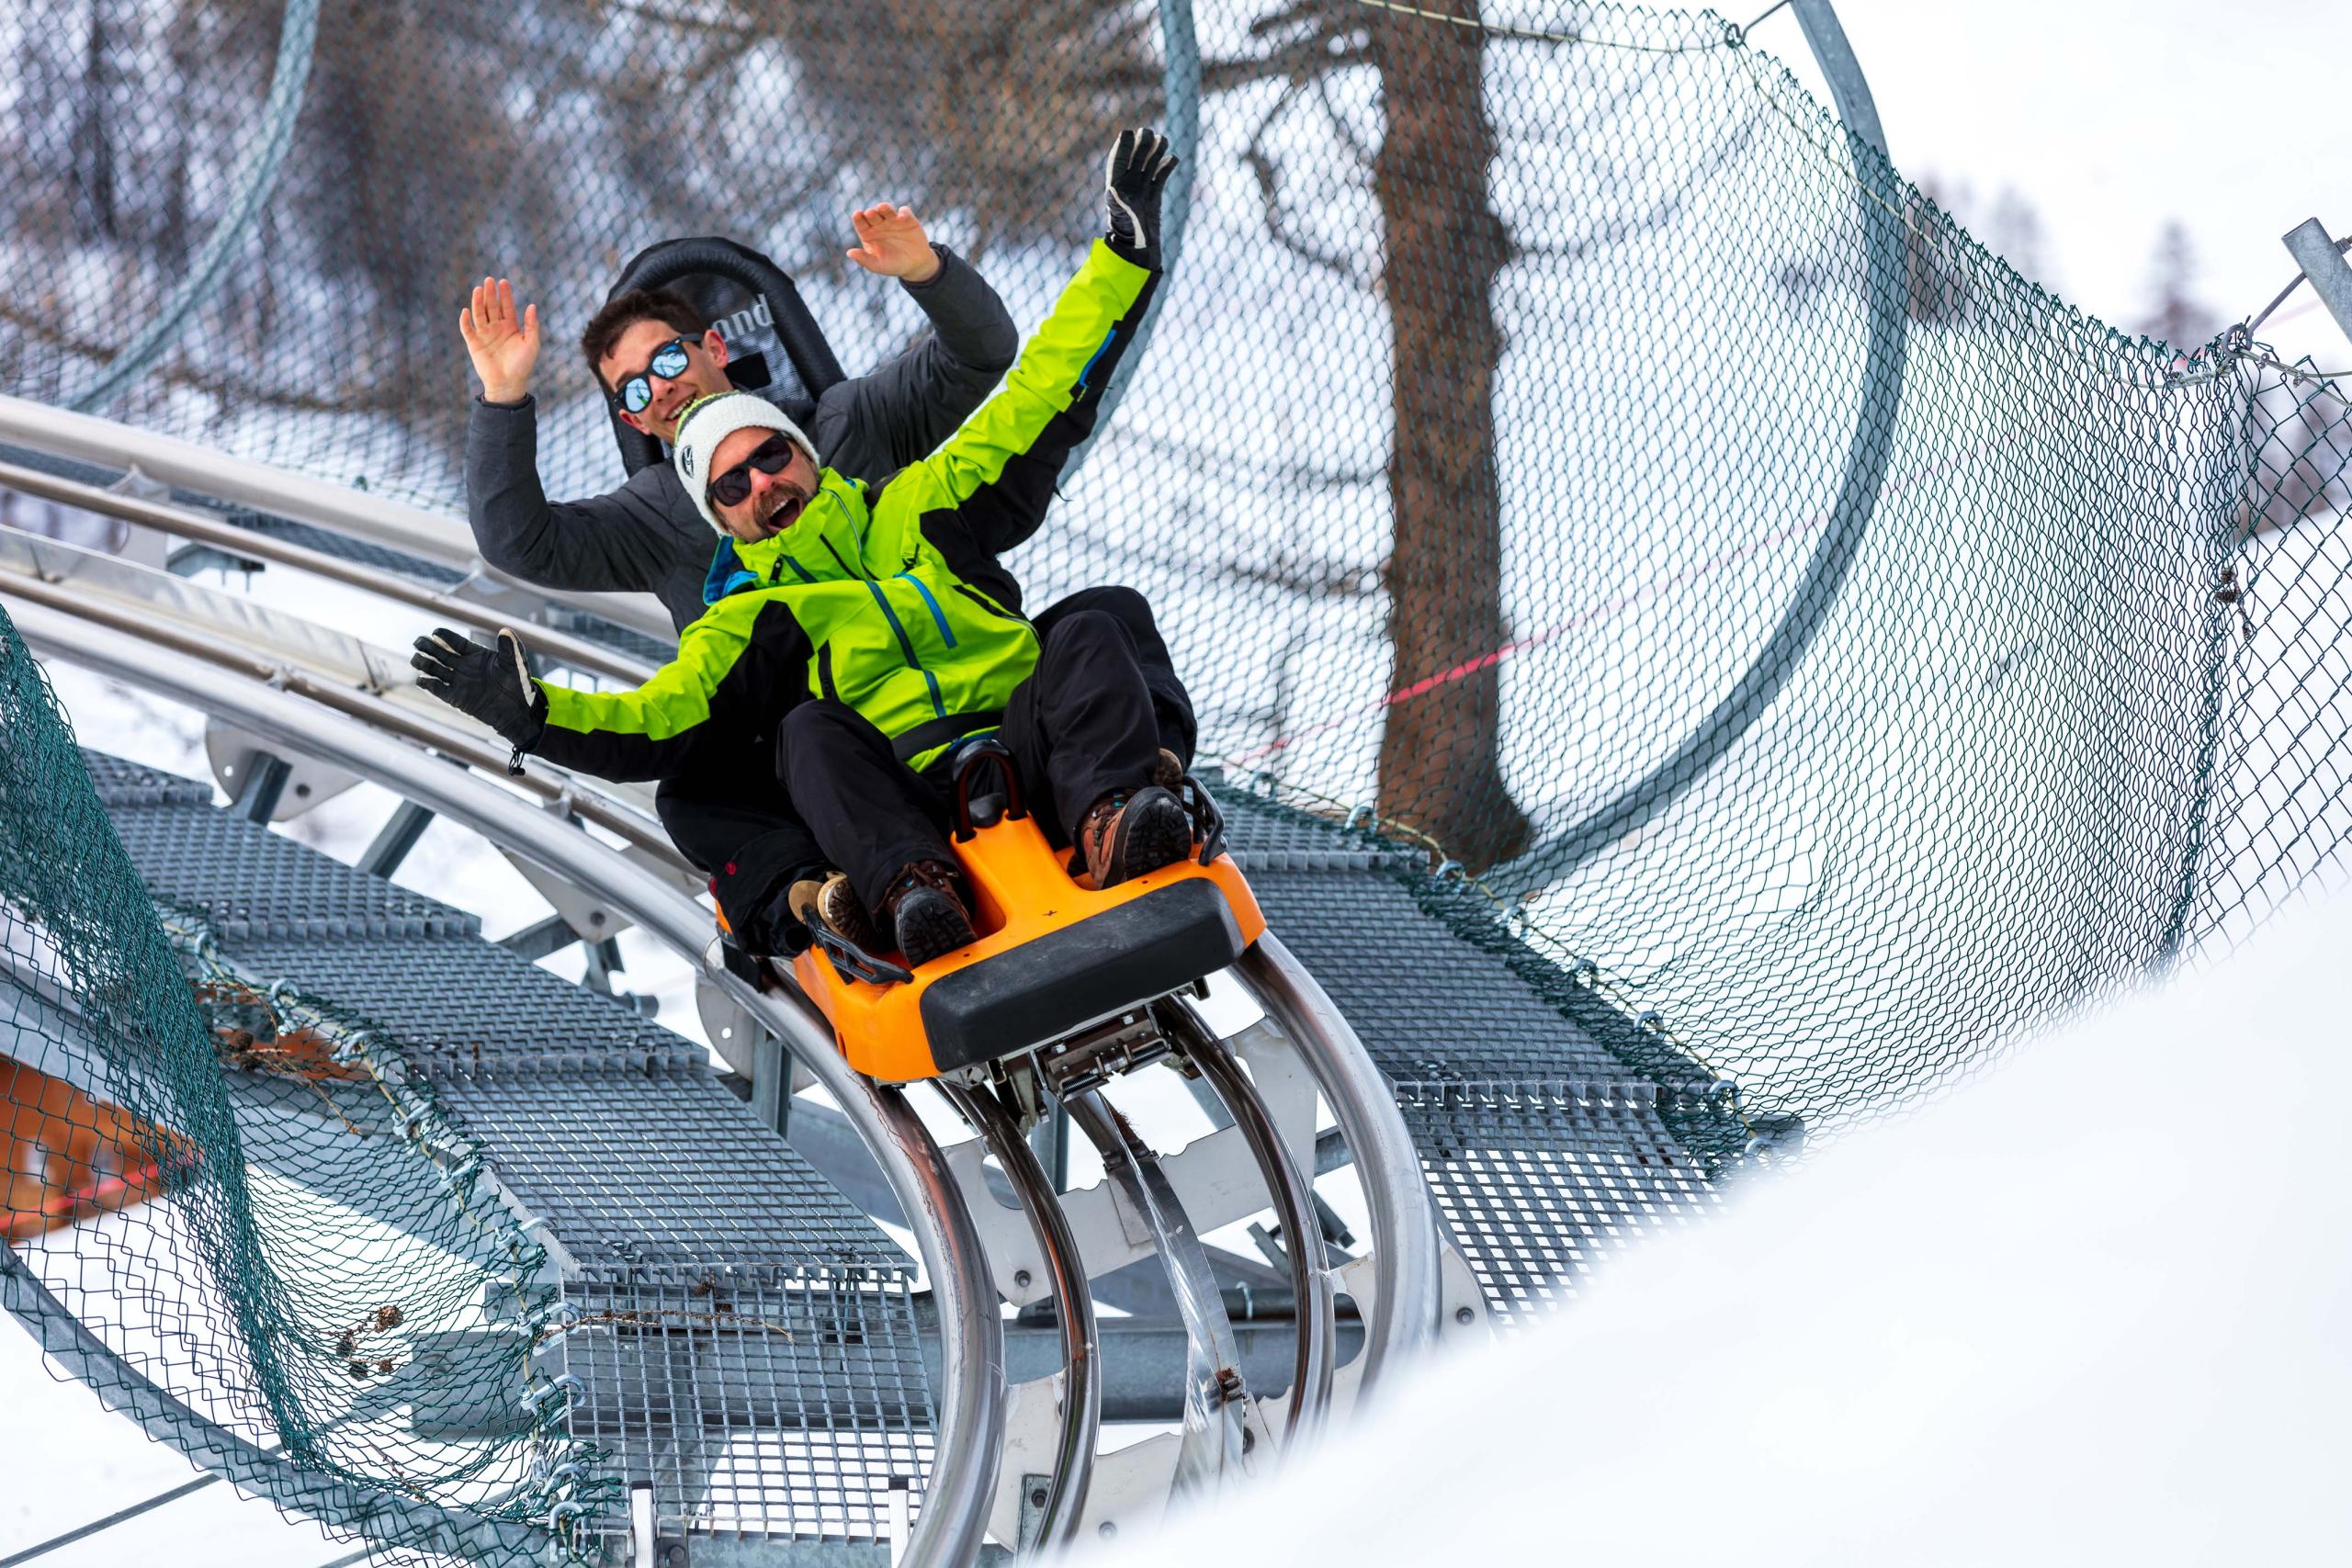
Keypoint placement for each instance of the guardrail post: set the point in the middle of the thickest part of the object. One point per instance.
(266, 776)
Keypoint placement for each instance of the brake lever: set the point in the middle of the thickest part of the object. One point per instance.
(1207, 820)
(855, 963)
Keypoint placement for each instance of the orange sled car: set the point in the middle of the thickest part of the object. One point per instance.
(1054, 955)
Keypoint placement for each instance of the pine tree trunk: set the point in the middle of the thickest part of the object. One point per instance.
(1439, 768)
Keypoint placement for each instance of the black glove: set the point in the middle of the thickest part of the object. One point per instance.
(493, 685)
(1139, 164)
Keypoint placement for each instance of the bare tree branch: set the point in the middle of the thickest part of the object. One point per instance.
(1264, 170)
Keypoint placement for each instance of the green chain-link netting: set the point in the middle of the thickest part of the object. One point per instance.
(202, 1245)
(1558, 437)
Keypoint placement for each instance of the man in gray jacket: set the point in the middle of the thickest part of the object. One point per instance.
(653, 355)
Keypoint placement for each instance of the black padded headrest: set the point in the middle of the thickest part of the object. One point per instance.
(774, 345)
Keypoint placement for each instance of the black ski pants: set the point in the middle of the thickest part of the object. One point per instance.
(728, 811)
(1084, 725)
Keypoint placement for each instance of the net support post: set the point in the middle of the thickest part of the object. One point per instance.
(2330, 274)
(395, 838)
(264, 786)
(1881, 237)
(1840, 69)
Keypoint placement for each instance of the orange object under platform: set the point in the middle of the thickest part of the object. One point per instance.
(68, 1157)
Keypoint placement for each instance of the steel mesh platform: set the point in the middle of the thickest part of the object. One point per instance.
(1538, 1183)
(744, 1337)
(760, 1391)
(1546, 1119)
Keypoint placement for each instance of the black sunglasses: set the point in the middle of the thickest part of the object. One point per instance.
(669, 362)
(771, 456)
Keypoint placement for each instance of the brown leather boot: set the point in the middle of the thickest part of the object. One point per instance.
(1168, 773)
(1126, 835)
(835, 904)
(925, 907)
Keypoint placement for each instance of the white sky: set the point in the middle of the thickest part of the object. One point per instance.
(2109, 119)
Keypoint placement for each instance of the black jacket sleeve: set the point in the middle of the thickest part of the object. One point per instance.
(871, 427)
(737, 669)
(617, 541)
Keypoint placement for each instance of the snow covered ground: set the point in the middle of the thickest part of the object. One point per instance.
(2092, 1309)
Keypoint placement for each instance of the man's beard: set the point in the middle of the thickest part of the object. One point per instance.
(785, 509)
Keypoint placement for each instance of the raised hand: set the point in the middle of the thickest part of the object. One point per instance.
(1139, 164)
(503, 346)
(890, 242)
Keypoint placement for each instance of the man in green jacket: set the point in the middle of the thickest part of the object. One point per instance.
(876, 627)
(651, 352)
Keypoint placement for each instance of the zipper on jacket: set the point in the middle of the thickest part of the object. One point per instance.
(897, 627)
(998, 611)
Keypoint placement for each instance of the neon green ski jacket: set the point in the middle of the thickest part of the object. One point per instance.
(892, 599)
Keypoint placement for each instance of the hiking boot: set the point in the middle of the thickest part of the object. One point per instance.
(835, 905)
(927, 912)
(1127, 835)
(1168, 773)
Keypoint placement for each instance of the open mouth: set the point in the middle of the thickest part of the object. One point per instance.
(786, 513)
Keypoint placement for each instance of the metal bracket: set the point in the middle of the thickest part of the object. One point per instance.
(1215, 1178)
(145, 545)
(733, 1033)
(235, 756)
(648, 1548)
(590, 920)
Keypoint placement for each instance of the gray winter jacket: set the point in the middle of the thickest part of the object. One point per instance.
(646, 537)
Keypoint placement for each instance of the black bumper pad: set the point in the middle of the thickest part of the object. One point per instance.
(1146, 947)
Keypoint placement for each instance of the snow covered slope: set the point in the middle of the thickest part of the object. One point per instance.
(2093, 1309)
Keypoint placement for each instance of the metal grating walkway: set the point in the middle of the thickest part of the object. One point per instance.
(745, 1338)
(1544, 1116)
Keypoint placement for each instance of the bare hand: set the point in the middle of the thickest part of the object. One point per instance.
(891, 243)
(503, 348)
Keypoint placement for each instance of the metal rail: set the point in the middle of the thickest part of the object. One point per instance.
(1293, 1200)
(187, 523)
(972, 1403)
(1216, 1397)
(354, 515)
(557, 788)
(1065, 1505)
(1403, 1319)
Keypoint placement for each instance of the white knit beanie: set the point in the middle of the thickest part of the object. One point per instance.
(711, 420)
